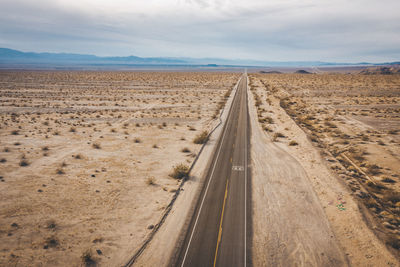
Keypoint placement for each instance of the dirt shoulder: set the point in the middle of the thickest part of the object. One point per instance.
(288, 220)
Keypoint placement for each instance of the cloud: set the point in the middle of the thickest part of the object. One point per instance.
(339, 30)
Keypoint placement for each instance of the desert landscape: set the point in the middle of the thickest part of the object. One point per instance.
(90, 160)
(343, 129)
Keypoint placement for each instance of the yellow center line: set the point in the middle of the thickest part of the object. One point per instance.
(220, 223)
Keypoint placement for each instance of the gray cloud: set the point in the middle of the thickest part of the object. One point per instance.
(338, 30)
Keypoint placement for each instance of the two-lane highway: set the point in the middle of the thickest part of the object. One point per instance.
(219, 229)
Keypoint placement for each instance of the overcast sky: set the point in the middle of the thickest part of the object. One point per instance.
(274, 30)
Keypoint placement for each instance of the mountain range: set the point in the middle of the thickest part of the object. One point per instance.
(10, 58)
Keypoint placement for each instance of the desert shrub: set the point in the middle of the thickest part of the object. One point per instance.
(180, 171)
(60, 171)
(24, 162)
(137, 140)
(269, 120)
(314, 138)
(3, 160)
(185, 150)
(267, 129)
(373, 169)
(293, 143)
(15, 132)
(51, 224)
(388, 180)
(376, 186)
(201, 138)
(392, 196)
(394, 242)
(72, 129)
(371, 203)
(357, 155)
(381, 143)
(87, 258)
(330, 124)
(365, 138)
(96, 145)
(284, 102)
(51, 242)
(45, 148)
(150, 181)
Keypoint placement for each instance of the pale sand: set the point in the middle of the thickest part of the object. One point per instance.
(165, 246)
(355, 239)
(103, 203)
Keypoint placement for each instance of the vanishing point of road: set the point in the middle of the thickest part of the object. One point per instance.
(219, 231)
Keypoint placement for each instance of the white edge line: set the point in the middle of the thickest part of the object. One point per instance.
(245, 183)
(208, 184)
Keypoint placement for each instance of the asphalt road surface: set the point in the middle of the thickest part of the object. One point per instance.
(219, 229)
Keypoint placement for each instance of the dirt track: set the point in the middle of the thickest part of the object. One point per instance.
(290, 227)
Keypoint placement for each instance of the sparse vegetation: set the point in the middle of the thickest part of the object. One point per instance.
(276, 136)
(60, 171)
(354, 119)
(293, 143)
(96, 145)
(90, 120)
(201, 138)
(180, 171)
(185, 150)
(87, 258)
(151, 181)
(24, 162)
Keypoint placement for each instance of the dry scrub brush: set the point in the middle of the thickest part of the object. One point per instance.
(201, 138)
(180, 171)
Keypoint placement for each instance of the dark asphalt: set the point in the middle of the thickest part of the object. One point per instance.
(218, 234)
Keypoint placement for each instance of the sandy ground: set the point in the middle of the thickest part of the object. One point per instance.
(86, 158)
(354, 121)
(164, 248)
(289, 225)
(353, 236)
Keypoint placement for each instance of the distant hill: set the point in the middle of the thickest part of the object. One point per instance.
(303, 72)
(17, 57)
(271, 72)
(382, 70)
(10, 58)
